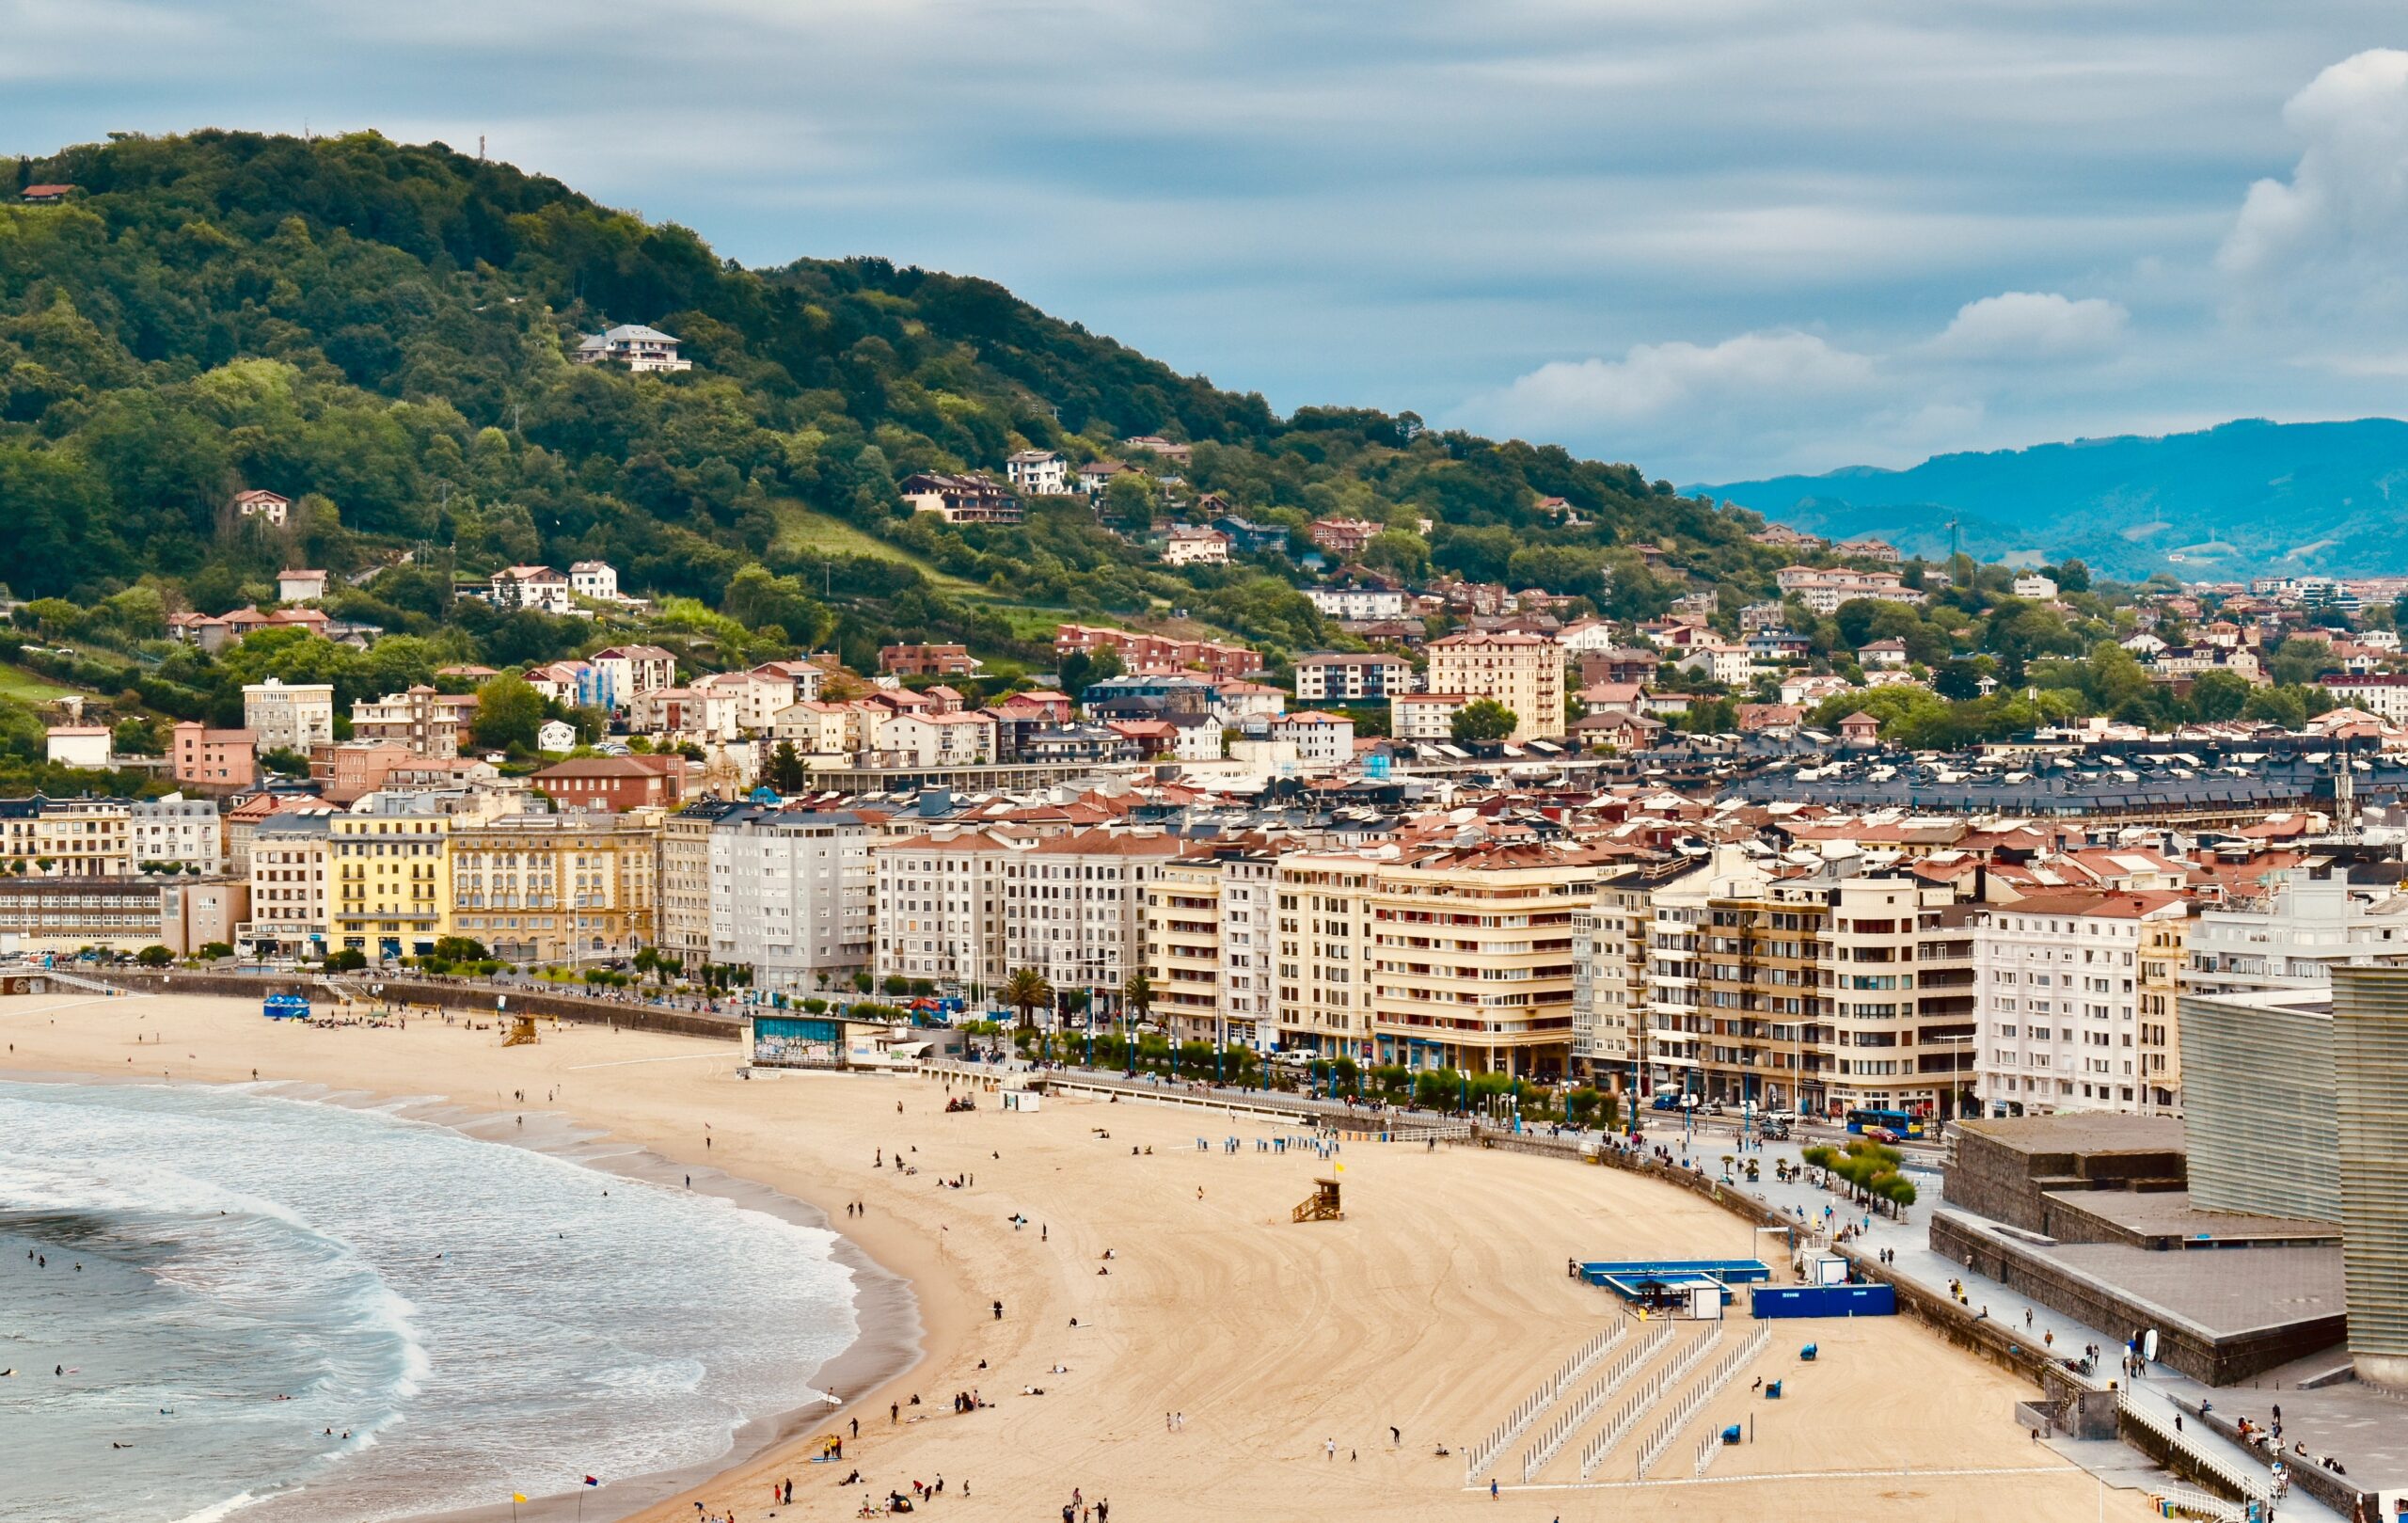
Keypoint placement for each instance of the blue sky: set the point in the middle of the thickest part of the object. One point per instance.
(1717, 238)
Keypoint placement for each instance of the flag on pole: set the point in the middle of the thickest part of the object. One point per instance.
(517, 1497)
(591, 1482)
(1340, 1168)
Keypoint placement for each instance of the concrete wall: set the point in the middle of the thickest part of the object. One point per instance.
(2010, 1184)
(2192, 1350)
(457, 996)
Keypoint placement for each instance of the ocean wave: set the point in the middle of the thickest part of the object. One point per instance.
(432, 1305)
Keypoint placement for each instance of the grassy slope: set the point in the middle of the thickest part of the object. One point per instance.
(25, 687)
(802, 532)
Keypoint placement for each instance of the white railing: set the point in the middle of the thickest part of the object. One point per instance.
(2198, 1504)
(1589, 1354)
(1724, 1370)
(1479, 1457)
(2232, 1475)
(1594, 1453)
(1575, 1417)
(1707, 1448)
(73, 980)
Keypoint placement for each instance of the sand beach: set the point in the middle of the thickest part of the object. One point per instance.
(1231, 1363)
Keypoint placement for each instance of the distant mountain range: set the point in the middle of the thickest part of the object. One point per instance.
(2246, 498)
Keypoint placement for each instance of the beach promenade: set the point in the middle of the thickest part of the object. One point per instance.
(1231, 1363)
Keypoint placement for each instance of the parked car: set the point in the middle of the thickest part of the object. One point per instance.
(1881, 1133)
(1665, 1103)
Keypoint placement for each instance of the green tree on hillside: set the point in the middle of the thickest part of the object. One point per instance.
(508, 712)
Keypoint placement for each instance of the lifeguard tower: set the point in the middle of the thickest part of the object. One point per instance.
(1322, 1205)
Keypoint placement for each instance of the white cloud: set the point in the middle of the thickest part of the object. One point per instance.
(1659, 380)
(2031, 325)
(2323, 248)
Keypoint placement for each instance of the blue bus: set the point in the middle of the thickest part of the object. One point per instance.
(1898, 1122)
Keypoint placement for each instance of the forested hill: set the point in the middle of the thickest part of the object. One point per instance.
(382, 333)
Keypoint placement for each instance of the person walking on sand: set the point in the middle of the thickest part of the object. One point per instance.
(1329, 1446)
(1492, 1489)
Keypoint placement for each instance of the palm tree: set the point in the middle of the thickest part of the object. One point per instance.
(1137, 996)
(1025, 990)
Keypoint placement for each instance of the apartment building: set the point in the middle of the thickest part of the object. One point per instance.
(119, 915)
(1761, 1031)
(1524, 673)
(631, 671)
(682, 876)
(1351, 677)
(1075, 908)
(1183, 952)
(2310, 921)
(391, 880)
(184, 832)
(556, 887)
(1322, 955)
(1900, 978)
(1824, 590)
(2062, 979)
(82, 839)
(790, 895)
(1610, 943)
(1468, 952)
(426, 721)
(940, 905)
(224, 760)
(291, 903)
(293, 716)
(935, 741)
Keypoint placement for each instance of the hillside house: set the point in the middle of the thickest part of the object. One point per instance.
(637, 347)
(269, 507)
(961, 499)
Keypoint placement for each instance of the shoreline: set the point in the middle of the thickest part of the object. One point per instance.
(890, 1335)
(1125, 1286)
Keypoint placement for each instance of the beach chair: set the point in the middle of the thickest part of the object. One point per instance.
(1807, 1354)
(1731, 1434)
(1772, 1391)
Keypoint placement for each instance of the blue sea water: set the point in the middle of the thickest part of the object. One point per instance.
(468, 1318)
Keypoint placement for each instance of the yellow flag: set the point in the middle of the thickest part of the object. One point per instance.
(517, 1497)
(1341, 1169)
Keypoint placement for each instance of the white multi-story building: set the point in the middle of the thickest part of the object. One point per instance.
(1323, 742)
(1038, 473)
(2384, 694)
(940, 902)
(178, 829)
(1424, 716)
(634, 345)
(1194, 545)
(935, 741)
(291, 914)
(596, 580)
(1358, 602)
(1824, 590)
(635, 669)
(790, 895)
(1074, 907)
(2061, 981)
(1346, 676)
(536, 587)
(2311, 921)
(290, 716)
